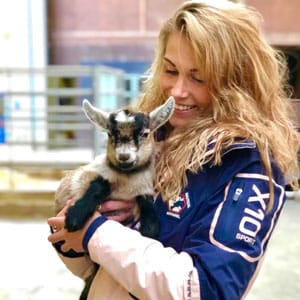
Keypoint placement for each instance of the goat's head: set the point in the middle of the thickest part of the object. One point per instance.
(130, 133)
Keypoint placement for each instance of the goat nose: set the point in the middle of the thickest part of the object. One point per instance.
(124, 157)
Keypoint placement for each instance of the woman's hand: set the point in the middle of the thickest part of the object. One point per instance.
(117, 210)
(72, 240)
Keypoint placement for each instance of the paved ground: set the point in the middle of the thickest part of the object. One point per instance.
(279, 278)
(30, 270)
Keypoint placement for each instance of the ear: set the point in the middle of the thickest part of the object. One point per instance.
(161, 114)
(95, 115)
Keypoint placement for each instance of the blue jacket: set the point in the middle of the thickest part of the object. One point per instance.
(221, 220)
(212, 241)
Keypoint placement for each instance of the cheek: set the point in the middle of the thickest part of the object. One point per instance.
(165, 83)
(202, 97)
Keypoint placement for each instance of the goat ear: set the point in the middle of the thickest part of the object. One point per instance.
(95, 115)
(161, 114)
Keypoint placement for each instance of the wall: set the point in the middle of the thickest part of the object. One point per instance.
(281, 20)
(94, 30)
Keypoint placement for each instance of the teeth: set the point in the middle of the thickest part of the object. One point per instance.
(183, 107)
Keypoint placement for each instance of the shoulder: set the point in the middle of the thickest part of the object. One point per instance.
(238, 148)
(243, 155)
(239, 157)
(238, 144)
(240, 162)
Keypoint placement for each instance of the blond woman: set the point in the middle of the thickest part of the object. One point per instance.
(224, 159)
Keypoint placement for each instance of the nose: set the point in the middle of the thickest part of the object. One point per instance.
(124, 157)
(180, 88)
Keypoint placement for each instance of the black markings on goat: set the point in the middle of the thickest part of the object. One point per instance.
(125, 171)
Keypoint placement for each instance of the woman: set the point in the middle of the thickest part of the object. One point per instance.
(224, 160)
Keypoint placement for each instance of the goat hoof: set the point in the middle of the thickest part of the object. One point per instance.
(72, 225)
(74, 221)
(150, 230)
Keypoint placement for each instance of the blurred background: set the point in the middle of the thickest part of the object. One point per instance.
(55, 53)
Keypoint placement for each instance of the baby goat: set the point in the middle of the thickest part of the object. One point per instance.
(125, 171)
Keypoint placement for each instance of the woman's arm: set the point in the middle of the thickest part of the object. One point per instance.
(142, 265)
(224, 244)
(221, 254)
(75, 259)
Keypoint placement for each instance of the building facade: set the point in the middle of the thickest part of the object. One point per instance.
(91, 33)
(116, 33)
(123, 33)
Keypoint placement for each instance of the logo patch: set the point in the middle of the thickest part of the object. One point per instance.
(177, 206)
(241, 223)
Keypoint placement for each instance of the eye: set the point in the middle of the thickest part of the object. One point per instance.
(171, 72)
(145, 134)
(196, 77)
(197, 80)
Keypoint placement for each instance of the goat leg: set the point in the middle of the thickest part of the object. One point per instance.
(83, 208)
(148, 216)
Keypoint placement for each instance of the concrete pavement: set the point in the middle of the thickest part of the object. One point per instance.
(279, 278)
(30, 270)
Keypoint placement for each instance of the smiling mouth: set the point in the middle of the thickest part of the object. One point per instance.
(184, 107)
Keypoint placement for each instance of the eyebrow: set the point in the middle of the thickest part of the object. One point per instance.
(194, 70)
(169, 61)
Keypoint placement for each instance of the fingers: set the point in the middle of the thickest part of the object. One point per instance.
(56, 223)
(57, 236)
(118, 210)
(120, 215)
(115, 205)
(71, 240)
(64, 247)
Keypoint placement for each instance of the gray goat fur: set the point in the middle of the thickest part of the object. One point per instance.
(125, 170)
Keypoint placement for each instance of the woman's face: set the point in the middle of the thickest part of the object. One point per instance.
(181, 79)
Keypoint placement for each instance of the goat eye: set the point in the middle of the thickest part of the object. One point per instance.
(145, 134)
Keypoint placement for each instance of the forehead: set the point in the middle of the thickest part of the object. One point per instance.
(123, 117)
(126, 121)
(180, 52)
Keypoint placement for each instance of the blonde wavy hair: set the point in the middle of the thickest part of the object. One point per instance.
(247, 81)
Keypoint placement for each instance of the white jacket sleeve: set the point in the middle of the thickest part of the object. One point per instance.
(143, 266)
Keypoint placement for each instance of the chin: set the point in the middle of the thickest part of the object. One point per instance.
(177, 122)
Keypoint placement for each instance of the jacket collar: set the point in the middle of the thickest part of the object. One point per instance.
(239, 144)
